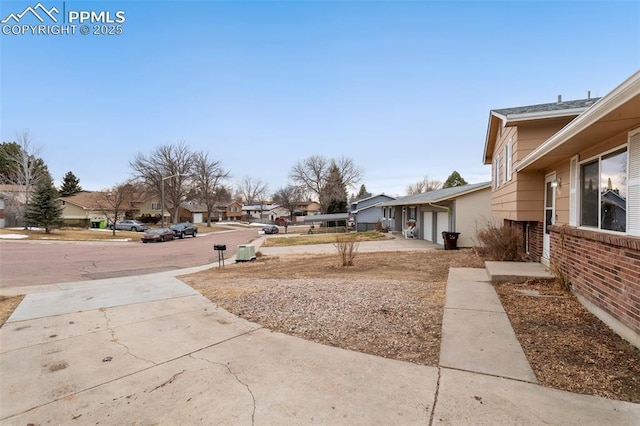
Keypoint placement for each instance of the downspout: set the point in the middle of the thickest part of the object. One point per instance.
(440, 207)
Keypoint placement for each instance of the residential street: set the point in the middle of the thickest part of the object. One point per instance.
(29, 263)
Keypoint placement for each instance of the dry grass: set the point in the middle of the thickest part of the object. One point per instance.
(299, 240)
(7, 306)
(78, 234)
(73, 234)
(387, 304)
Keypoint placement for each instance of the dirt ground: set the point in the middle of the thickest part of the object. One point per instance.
(567, 346)
(387, 304)
(391, 305)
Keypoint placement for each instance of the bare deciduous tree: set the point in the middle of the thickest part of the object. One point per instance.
(288, 198)
(252, 191)
(114, 202)
(170, 165)
(311, 174)
(207, 178)
(424, 185)
(24, 166)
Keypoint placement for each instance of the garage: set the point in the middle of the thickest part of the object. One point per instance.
(428, 226)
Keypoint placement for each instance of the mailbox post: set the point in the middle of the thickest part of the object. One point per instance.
(220, 248)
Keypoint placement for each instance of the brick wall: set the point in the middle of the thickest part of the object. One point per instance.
(531, 236)
(603, 268)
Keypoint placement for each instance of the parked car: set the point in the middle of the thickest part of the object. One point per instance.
(158, 235)
(270, 229)
(130, 225)
(282, 221)
(184, 228)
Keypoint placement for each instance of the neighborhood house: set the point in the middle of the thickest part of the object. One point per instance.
(464, 209)
(567, 175)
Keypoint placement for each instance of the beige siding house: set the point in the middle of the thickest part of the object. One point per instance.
(568, 175)
(463, 209)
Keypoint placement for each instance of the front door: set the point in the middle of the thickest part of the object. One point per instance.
(549, 213)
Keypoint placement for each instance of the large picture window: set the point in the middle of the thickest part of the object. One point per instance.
(603, 192)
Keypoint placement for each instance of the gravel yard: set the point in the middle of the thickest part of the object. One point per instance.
(391, 305)
(388, 304)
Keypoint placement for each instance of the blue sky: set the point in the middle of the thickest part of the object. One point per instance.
(403, 88)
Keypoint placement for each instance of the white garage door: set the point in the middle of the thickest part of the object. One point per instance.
(428, 226)
(197, 218)
(442, 224)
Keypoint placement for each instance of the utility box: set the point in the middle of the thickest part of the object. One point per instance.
(246, 253)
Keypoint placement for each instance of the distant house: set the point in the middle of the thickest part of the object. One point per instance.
(464, 209)
(192, 211)
(567, 174)
(307, 208)
(14, 199)
(268, 212)
(81, 209)
(233, 211)
(367, 212)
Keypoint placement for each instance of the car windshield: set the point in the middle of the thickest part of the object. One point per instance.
(156, 231)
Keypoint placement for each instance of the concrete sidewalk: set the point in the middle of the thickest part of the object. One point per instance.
(150, 350)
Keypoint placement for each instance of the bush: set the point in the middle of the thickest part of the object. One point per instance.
(503, 243)
(347, 249)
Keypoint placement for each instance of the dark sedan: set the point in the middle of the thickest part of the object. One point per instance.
(158, 235)
(271, 229)
(184, 228)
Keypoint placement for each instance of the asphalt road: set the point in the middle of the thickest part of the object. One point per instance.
(27, 263)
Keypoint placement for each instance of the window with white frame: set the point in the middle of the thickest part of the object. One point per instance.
(496, 172)
(603, 191)
(411, 215)
(156, 206)
(508, 162)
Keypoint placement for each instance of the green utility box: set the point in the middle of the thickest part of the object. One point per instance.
(246, 253)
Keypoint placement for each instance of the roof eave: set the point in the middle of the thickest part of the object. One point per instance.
(614, 99)
(494, 120)
(515, 119)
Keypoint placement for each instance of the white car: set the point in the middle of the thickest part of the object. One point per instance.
(130, 225)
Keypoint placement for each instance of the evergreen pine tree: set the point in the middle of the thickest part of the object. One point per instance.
(454, 180)
(70, 185)
(334, 193)
(43, 209)
(363, 193)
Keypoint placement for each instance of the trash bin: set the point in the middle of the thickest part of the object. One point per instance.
(450, 240)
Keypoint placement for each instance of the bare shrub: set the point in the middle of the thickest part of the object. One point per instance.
(502, 243)
(347, 249)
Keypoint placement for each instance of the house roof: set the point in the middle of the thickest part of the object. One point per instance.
(566, 107)
(438, 195)
(616, 112)
(326, 217)
(85, 199)
(370, 206)
(258, 207)
(516, 115)
(373, 197)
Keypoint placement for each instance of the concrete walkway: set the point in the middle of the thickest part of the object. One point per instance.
(150, 350)
(476, 333)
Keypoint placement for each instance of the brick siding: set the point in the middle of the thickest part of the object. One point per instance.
(603, 268)
(534, 238)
